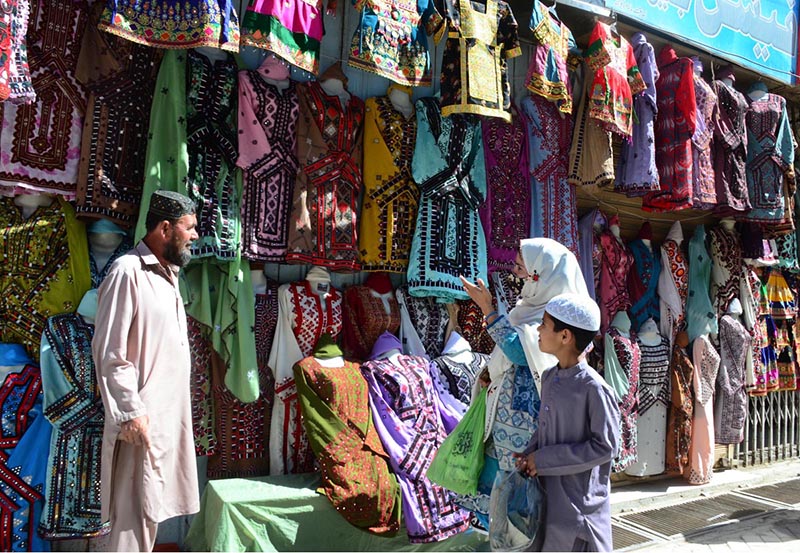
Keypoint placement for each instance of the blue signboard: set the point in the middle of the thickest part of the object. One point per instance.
(758, 34)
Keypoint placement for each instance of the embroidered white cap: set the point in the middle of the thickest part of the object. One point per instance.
(575, 310)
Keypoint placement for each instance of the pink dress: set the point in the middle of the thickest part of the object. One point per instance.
(701, 450)
(615, 265)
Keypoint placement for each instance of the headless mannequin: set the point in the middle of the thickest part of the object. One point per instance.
(648, 333)
(335, 87)
(259, 280)
(29, 202)
(103, 245)
(735, 309)
(387, 346)
(391, 355)
(728, 81)
(615, 231)
(381, 287)
(274, 72)
(401, 101)
(457, 348)
(756, 94)
(88, 306)
(727, 223)
(328, 358)
(320, 280)
(622, 323)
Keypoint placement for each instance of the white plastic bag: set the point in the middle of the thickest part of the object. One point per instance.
(516, 512)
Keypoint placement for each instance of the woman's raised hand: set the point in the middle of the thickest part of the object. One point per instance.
(479, 293)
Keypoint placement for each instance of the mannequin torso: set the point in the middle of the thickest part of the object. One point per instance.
(401, 102)
(259, 281)
(213, 54)
(728, 81)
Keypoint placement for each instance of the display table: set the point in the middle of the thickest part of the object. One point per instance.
(285, 513)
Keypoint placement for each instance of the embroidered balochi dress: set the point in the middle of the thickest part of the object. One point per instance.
(322, 228)
(616, 79)
(192, 149)
(423, 324)
(637, 169)
(614, 268)
(174, 23)
(730, 150)
(448, 241)
(389, 209)
(457, 369)
(700, 315)
(390, 39)
(40, 142)
(340, 429)
(726, 273)
(681, 411)
(242, 429)
(268, 159)
(73, 406)
(203, 414)
(730, 406)
(643, 283)
(292, 29)
(406, 413)
(555, 210)
(302, 320)
(623, 359)
(704, 193)
(673, 283)
(506, 213)
(701, 451)
(547, 72)
(366, 318)
(675, 126)
(654, 401)
(481, 36)
(45, 269)
(19, 74)
(120, 78)
(770, 156)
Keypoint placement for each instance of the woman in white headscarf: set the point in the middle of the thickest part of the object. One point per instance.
(516, 364)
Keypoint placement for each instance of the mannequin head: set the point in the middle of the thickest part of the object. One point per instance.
(613, 226)
(88, 306)
(621, 322)
(334, 83)
(735, 308)
(698, 66)
(727, 76)
(645, 233)
(727, 223)
(757, 91)
(400, 96)
(104, 235)
(29, 202)
(259, 281)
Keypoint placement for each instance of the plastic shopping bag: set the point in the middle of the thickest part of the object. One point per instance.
(516, 513)
(459, 460)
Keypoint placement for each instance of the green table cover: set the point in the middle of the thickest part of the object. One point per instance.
(285, 513)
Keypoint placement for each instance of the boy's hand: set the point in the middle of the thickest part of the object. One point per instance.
(525, 463)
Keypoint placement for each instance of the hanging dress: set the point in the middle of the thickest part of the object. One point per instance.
(701, 450)
(615, 266)
(681, 411)
(391, 197)
(673, 284)
(623, 360)
(675, 126)
(268, 158)
(449, 168)
(423, 324)
(322, 228)
(481, 36)
(637, 166)
(19, 74)
(726, 273)
(730, 405)
(366, 318)
(643, 283)
(654, 402)
(730, 151)
(174, 23)
(616, 79)
(700, 315)
(506, 212)
(704, 193)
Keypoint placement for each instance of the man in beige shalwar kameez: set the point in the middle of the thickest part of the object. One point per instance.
(141, 353)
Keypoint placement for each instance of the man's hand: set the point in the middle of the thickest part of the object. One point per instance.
(525, 463)
(136, 431)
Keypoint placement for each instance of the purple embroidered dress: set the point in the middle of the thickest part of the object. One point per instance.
(268, 158)
(704, 194)
(406, 411)
(555, 210)
(637, 173)
(730, 149)
(506, 213)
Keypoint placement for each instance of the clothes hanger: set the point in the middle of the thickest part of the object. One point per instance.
(552, 9)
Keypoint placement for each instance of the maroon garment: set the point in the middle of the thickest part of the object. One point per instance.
(506, 213)
(615, 265)
(365, 318)
(730, 151)
(675, 126)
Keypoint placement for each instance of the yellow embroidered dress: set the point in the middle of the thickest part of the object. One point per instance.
(389, 209)
(481, 37)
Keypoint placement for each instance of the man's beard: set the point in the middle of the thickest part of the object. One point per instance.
(177, 255)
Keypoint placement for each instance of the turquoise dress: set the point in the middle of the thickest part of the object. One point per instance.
(701, 317)
(449, 167)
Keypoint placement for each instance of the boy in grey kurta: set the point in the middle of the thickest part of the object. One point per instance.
(578, 432)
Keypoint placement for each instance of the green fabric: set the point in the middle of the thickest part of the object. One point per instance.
(326, 348)
(284, 513)
(167, 158)
(614, 374)
(459, 461)
(270, 25)
(219, 295)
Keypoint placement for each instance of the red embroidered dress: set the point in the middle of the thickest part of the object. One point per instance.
(322, 227)
(616, 80)
(366, 318)
(675, 126)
